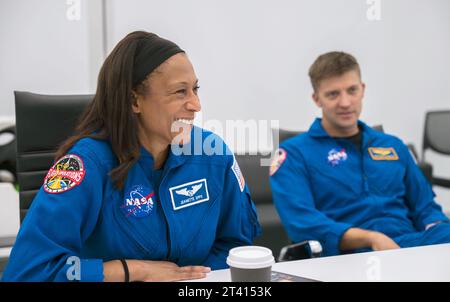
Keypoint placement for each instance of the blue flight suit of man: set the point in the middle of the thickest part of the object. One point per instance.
(191, 213)
(322, 186)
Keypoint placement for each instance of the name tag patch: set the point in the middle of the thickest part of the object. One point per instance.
(189, 194)
(383, 153)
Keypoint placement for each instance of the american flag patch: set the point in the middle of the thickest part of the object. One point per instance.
(237, 172)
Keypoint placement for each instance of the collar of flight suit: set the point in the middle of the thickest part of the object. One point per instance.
(174, 159)
(368, 134)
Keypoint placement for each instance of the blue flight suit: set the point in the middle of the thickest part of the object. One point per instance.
(322, 186)
(192, 212)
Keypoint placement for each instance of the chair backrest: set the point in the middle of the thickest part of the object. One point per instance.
(256, 176)
(378, 128)
(43, 122)
(284, 134)
(437, 132)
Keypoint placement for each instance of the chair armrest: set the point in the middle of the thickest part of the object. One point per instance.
(413, 151)
(302, 250)
(442, 182)
(7, 241)
(3, 262)
(427, 170)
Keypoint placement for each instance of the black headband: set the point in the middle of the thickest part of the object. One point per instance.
(151, 52)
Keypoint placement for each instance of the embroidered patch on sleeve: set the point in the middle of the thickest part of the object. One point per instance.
(237, 172)
(67, 173)
(383, 153)
(277, 161)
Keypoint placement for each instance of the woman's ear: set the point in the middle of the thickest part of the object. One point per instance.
(136, 102)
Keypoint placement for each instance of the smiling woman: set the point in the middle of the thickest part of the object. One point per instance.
(119, 204)
(169, 105)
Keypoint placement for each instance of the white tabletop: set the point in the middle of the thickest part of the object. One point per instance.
(427, 263)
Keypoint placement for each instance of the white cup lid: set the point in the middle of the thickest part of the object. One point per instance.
(250, 257)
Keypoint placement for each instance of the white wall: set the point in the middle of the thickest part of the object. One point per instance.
(44, 52)
(251, 56)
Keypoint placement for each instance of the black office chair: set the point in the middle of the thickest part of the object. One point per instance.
(257, 178)
(284, 134)
(43, 122)
(436, 137)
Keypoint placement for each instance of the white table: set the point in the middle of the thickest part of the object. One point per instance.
(427, 263)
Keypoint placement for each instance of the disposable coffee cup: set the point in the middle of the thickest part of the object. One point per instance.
(250, 264)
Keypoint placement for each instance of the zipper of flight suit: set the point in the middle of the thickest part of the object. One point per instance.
(365, 178)
(363, 173)
(169, 243)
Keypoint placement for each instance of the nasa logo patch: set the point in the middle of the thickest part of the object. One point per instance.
(335, 156)
(138, 202)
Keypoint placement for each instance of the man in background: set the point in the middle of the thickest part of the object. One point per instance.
(347, 185)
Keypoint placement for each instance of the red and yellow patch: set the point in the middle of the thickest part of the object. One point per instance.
(65, 174)
(277, 161)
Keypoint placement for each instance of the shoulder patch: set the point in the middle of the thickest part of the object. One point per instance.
(277, 161)
(67, 173)
(237, 172)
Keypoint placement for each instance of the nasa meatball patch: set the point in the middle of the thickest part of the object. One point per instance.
(138, 202)
(67, 173)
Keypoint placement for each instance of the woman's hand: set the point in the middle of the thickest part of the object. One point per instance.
(149, 271)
